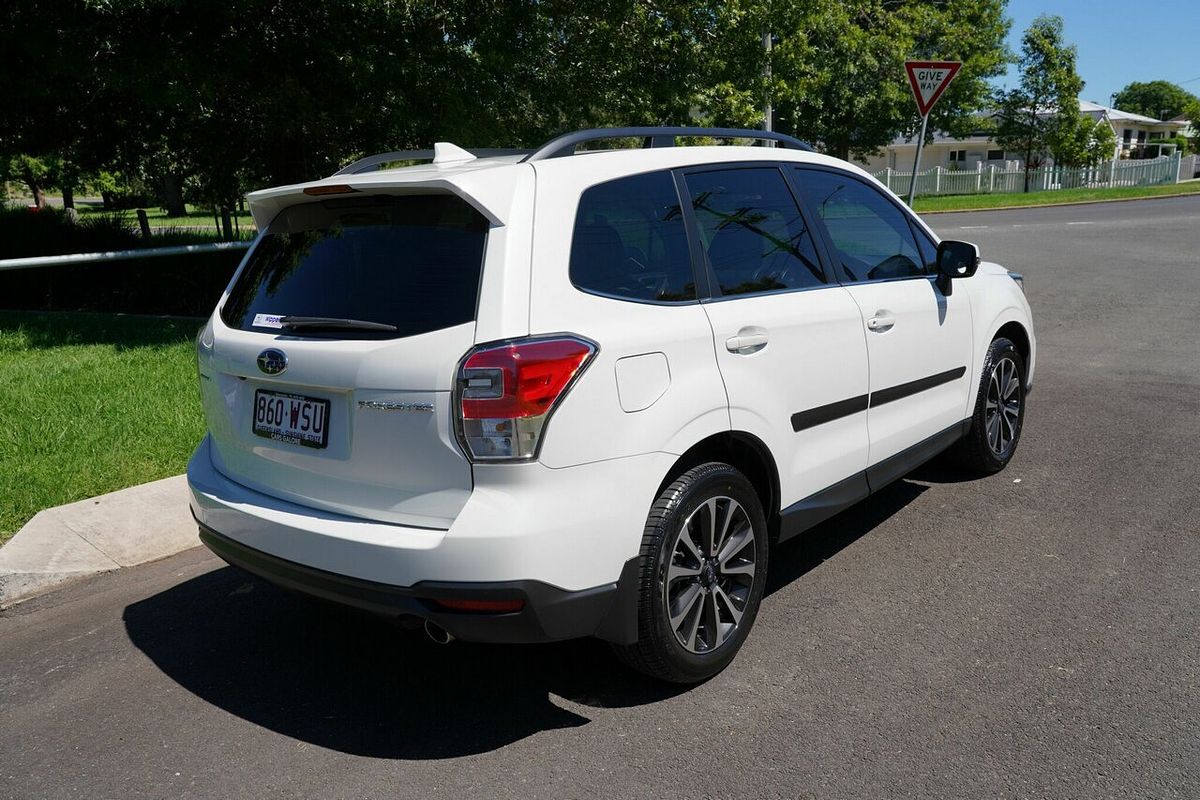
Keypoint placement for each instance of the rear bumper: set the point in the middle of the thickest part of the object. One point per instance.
(560, 539)
(548, 614)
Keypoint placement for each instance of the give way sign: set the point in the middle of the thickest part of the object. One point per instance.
(929, 79)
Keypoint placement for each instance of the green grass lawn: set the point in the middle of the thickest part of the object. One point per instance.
(968, 202)
(158, 218)
(91, 403)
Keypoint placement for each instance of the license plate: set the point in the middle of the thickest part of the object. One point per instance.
(291, 418)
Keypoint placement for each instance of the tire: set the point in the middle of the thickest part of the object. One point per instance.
(987, 450)
(715, 600)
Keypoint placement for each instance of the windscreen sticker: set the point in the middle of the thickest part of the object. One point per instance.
(267, 321)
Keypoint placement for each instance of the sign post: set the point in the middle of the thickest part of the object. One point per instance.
(928, 80)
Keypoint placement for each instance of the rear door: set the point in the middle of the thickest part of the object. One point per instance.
(334, 353)
(918, 339)
(789, 343)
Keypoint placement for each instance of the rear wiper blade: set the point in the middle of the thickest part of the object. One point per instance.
(293, 323)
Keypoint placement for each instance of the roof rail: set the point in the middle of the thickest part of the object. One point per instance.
(657, 137)
(374, 162)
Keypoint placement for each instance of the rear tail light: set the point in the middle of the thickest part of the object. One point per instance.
(507, 392)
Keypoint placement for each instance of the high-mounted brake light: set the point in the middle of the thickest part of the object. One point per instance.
(506, 393)
(318, 191)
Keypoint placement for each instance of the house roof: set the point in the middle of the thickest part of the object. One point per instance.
(1117, 115)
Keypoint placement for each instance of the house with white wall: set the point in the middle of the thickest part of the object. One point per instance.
(1134, 133)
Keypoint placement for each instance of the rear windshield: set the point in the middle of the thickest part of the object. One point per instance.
(409, 261)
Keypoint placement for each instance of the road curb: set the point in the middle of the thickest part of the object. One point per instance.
(68, 543)
(1060, 205)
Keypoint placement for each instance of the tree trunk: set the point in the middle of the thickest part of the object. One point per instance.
(68, 194)
(1028, 156)
(226, 223)
(39, 196)
(172, 184)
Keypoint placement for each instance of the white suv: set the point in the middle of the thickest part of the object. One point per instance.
(523, 397)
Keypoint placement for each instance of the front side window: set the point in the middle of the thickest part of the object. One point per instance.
(995, 155)
(752, 231)
(407, 264)
(870, 233)
(630, 241)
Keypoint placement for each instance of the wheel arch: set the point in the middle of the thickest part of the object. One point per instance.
(1015, 332)
(746, 453)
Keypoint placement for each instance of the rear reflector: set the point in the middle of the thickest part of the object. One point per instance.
(483, 606)
(317, 191)
(506, 393)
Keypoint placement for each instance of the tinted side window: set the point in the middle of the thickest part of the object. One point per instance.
(870, 232)
(752, 231)
(928, 250)
(630, 240)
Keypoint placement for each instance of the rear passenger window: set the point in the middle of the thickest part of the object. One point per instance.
(870, 232)
(752, 231)
(630, 241)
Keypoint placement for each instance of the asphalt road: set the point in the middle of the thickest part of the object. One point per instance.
(1033, 634)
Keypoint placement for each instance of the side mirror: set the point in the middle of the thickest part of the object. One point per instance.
(955, 260)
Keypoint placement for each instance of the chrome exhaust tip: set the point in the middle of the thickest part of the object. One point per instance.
(437, 633)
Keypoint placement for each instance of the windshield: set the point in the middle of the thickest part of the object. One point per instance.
(409, 263)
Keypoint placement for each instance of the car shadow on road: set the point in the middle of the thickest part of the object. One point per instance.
(360, 685)
(795, 557)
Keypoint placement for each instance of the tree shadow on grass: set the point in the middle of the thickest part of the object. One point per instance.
(42, 330)
(361, 685)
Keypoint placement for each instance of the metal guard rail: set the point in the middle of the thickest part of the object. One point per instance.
(119, 255)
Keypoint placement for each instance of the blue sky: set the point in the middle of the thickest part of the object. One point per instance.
(1120, 43)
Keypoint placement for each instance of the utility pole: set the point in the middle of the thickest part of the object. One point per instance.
(768, 111)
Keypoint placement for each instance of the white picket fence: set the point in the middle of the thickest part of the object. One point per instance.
(984, 180)
(1189, 167)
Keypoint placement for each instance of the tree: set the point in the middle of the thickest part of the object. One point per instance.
(838, 71)
(1085, 142)
(55, 111)
(1044, 108)
(36, 173)
(1157, 99)
(222, 98)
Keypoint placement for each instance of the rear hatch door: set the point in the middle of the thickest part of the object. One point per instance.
(329, 380)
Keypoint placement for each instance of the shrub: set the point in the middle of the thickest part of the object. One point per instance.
(48, 232)
(187, 285)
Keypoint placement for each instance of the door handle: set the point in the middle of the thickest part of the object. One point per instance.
(881, 322)
(746, 343)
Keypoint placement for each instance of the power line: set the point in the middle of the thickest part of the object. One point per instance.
(1189, 80)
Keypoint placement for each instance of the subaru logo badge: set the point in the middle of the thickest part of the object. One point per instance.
(272, 361)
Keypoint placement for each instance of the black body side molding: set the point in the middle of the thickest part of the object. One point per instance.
(828, 413)
(852, 405)
(913, 387)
